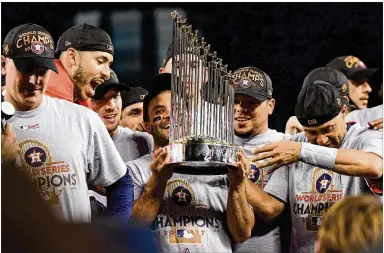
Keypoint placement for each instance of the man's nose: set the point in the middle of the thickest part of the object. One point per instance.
(321, 140)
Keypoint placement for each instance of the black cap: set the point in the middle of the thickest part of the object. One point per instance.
(30, 46)
(253, 82)
(317, 103)
(160, 83)
(168, 53)
(85, 37)
(331, 76)
(111, 83)
(133, 96)
(352, 67)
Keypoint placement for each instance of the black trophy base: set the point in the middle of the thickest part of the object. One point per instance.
(201, 158)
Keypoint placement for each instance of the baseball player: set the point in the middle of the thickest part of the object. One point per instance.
(358, 74)
(253, 104)
(62, 145)
(185, 212)
(84, 53)
(107, 104)
(132, 108)
(358, 90)
(317, 168)
(131, 145)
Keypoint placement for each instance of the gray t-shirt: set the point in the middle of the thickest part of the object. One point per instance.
(192, 217)
(132, 144)
(265, 237)
(365, 115)
(311, 190)
(62, 146)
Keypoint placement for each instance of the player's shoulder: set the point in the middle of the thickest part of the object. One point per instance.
(65, 106)
(139, 137)
(358, 134)
(125, 131)
(299, 137)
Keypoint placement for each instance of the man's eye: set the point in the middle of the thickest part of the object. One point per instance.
(159, 111)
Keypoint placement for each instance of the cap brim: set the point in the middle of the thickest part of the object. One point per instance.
(257, 96)
(362, 74)
(102, 89)
(25, 65)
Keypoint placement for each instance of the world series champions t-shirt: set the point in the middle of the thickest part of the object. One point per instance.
(265, 237)
(311, 190)
(64, 145)
(192, 217)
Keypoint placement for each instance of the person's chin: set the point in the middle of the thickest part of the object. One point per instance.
(111, 127)
(243, 132)
(32, 99)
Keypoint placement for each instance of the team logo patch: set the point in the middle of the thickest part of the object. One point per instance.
(182, 196)
(323, 183)
(255, 173)
(344, 87)
(245, 83)
(35, 157)
(312, 122)
(37, 47)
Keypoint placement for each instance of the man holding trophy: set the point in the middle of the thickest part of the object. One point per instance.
(182, 191)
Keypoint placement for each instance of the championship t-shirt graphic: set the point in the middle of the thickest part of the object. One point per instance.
(323, 193)
(187, 220)
(50, 176)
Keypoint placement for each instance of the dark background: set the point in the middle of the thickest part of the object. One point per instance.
(286, 40)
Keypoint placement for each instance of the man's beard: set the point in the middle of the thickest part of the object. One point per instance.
(159, 137)
(79, 81)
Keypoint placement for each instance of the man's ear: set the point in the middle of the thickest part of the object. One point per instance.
(73, 56)
(3, 65)
(343, 111)
(271, 105)
(161, 70)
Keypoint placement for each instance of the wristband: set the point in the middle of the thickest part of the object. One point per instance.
(318, 156)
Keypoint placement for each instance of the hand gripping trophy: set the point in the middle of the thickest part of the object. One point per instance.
(201, 132)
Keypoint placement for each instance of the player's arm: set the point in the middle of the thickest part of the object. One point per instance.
(266, 207)
(107, 169)
(358, 163)
(120, 197)
(240, 216)
(365, 163)
(147, 206)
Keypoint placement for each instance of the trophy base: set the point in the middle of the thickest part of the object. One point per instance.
(201, 158)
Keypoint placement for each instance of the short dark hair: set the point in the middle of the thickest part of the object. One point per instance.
(160, 83)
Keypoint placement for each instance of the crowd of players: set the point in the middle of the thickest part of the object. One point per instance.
(94, 149)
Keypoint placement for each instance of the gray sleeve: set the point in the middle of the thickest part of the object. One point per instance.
(144, 142)
(140, 176)
(105, 165)
(372, 142)
(277, 185)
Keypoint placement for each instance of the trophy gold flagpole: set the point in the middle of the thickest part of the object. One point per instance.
(201, 132)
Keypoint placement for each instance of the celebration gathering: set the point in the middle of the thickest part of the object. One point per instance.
(192, 127)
